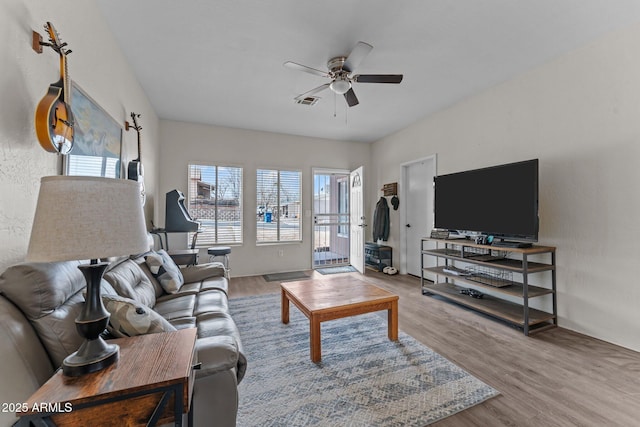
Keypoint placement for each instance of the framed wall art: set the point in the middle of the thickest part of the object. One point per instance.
(97, 144)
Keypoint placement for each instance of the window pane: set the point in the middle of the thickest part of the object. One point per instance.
(215, 200)
(85, 165)
(267, 199)
(290, 189)
(278, 212)
(229, 196)
(343, 206)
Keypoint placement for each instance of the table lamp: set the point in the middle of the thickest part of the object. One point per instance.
(88, 218)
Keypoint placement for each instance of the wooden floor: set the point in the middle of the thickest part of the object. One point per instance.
(553, 378)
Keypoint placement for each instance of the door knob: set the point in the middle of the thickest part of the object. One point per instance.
(408, 225)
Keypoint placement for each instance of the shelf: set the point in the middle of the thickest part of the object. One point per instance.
(535, 249)
(495, 307)
(492, 271)
(513, 289)
(515, 265)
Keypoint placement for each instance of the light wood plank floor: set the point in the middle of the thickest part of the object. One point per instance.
(554, 378)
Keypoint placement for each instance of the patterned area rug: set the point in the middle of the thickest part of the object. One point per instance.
(283, 277)
(363, 379)
(334, 270)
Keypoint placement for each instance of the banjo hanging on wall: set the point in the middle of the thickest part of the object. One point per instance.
(53, 117)
(135, 170)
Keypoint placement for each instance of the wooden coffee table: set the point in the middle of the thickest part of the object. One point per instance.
(329, 299)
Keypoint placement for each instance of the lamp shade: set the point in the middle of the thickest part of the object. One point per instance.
(81, 217)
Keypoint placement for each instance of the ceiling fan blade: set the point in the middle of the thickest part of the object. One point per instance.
(356, 56)
(313, 91)
(299, 67)
(351, 98)
(378, 78)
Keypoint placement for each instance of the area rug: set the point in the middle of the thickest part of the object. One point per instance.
(334, 270)
(283, 277)
(363, 379)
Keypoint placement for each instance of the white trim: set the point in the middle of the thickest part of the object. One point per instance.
(403, 212)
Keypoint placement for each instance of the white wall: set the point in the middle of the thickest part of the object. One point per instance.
(580, 115)
(96, 64)
(181, 143)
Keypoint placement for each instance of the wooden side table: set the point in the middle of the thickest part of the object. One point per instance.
(152, 383)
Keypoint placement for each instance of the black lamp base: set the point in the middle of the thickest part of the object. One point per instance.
(94, 354)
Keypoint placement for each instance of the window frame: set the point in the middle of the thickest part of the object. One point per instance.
(279, 239)
(239, 174)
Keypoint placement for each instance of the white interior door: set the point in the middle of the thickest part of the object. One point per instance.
(357, 219)
(418, 219)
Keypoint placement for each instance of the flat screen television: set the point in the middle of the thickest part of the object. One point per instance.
(499, 201)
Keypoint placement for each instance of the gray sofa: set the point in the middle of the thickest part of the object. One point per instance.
(39, 302)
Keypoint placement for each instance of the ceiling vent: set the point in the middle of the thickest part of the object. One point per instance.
(307, 100)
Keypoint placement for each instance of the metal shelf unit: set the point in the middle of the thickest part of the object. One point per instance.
(496, 269)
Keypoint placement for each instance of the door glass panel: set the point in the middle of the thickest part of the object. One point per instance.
(331, 219)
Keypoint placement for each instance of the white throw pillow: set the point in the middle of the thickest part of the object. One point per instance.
(130, 318)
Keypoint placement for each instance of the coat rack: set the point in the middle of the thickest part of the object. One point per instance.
(390, 189)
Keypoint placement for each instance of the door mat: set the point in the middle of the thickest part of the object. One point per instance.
(334, 270)
(284, 277)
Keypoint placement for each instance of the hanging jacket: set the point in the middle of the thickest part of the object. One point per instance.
(381, 221)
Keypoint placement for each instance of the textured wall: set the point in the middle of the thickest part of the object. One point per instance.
(580, 116)
(252, 150)
(96, 64)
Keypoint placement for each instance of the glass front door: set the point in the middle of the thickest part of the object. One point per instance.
(330, 218)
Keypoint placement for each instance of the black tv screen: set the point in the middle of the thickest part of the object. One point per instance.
(501, 201)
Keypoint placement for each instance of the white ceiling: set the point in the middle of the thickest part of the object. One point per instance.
(220, 61)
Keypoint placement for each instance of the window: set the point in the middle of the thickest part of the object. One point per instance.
(86, 165)
(279, 206)
(215, 201)
(343, 206)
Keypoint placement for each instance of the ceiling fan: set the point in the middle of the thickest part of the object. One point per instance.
(340, 71)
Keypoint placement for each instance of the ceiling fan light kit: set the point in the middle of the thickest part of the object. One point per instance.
(340, 72)
(340, 85)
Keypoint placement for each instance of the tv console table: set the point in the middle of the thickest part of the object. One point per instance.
(486, 268)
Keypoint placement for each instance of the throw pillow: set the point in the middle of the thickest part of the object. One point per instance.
(130, 318)
(165, 270)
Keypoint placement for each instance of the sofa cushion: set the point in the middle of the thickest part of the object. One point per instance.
(219, 353)
(211, 283)
(165, 271)
(216, 327)
(50, 296)
(25, 364)
(183, 322)
(216, 323)
(130, 318)
(129, 281)
(211, 302)
(200, 272)
(176, 306)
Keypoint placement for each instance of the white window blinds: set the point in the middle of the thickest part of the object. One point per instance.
(215, 201)
(279, 207)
